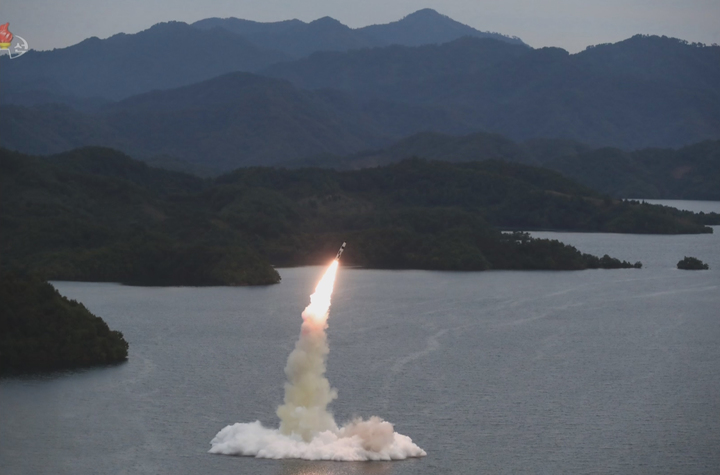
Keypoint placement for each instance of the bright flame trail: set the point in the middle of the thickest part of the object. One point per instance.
(307, 430)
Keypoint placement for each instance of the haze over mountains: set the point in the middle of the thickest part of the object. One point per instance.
(298, 39)
(226, 93)
(644, 91)
(175, 54)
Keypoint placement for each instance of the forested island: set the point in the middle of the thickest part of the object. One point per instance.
(41, 330)
(692, 263)
(95, 214)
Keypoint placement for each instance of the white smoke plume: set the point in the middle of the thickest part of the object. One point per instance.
(307, 390)
(307, 430)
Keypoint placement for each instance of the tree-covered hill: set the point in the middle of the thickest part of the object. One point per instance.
(449, 148)
(164, 56)
(96, 214)
(691, 172)
(641, 92)
(41, 330)
(234, 120)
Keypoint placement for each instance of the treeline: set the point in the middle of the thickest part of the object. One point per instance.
(96, 214)
(42, 330)
(690, 172)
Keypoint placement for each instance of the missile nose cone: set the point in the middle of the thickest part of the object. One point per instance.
(342, 248)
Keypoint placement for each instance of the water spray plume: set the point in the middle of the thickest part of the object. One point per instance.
(307, 429)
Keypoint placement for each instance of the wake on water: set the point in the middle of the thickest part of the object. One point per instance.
(307, 429)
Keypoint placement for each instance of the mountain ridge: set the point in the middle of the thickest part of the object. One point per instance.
(166, 55)
(237, 119)
(690, 172)
(427, 26)
(598, 96)
(172, 54)
(299, 39)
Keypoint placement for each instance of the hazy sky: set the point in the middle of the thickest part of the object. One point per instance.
(570, 24)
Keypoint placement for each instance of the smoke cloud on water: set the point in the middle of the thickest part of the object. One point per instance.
(307, 430)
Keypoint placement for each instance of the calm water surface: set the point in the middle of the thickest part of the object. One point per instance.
(496, 372)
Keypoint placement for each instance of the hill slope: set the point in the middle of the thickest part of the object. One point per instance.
(174, 54)
(167, 55)
(294, 37)
(95, 214)
(691, 172)
(644, 91)
(234, 120)
(427, 26)
(41, 330)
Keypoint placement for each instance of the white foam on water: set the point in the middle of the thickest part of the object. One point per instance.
(357, 441)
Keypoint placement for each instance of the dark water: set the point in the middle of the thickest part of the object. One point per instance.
(495, 372)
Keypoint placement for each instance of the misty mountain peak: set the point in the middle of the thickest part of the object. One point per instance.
(166, 26)
(427, 26)
(327, 21)
(424, 14)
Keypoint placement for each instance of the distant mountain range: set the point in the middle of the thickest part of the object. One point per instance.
(235, 120)
(165, 56)
(174, 54)
(227, 93)
(644, 91)
(298, 39)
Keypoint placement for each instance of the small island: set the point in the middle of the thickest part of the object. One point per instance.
(692, 263)
(40, 330)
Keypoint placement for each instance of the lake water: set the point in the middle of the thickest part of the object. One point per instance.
(598, 371)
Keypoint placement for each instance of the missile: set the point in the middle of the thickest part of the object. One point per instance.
(342, 248)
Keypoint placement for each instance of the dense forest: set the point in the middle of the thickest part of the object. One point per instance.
(96, 214)
(645, 91)
(692, 263)
(42, 330)
(691, 172)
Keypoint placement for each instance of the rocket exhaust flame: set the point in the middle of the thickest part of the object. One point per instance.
(307, 430)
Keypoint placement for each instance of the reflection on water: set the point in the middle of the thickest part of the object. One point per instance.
(302, 467)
